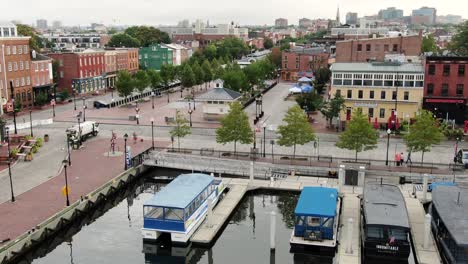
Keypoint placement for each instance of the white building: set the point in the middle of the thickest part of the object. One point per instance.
(180, 53)
(216, 101)
(8, 29)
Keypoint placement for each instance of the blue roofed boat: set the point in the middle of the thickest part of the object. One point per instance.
(316, 218)
(180, 207)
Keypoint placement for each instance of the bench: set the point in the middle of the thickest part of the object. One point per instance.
(169, 119)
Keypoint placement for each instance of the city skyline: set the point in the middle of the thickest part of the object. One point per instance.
(146, 12)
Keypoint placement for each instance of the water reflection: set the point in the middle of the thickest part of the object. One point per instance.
(112, 235)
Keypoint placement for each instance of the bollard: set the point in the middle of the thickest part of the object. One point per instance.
(340, 182)
(349, 246)
(427, 230)
(272, 230)
(271, 181)
(425, 178)
(210, 212)
(212, 174)
(251, 172)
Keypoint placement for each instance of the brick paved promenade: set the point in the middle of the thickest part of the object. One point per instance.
(90, 169)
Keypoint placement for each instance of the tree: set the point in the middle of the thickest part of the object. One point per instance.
(210, 52)
(207, 72)
(167, 74)
(235, 127)
(423, 133)
(253, 75)
(125, 83)
(155, 78)
(234, 80)
(459, 43)
(142, 80)
(322, 75)
(268, 43)
(275, 57)
(148, 35)
(359, 134)
(123, 40)
(218, 71)
(198, 73)
(333, 107)
(429, 44)
(36, 42)
(55, 71)
(232, 47)
(188, 77)
(297, 129)
(181, 128)
(310, 101)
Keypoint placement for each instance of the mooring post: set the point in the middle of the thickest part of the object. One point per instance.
(427, 230)
(349, 246)
(251, 172)
(425, 178)
(272, 230)
(210, 212)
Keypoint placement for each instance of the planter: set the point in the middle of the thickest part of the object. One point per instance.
(29, 157)
(46, 138)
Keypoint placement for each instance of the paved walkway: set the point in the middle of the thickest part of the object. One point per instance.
(91, 168)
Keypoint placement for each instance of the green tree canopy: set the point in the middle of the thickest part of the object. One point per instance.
(218, 71)
(235, 127)
(148, 35)
(423, 133)
(188, 77)
(125, 83)
(459, 43)
(310, 101)
(142, 80)
(210, 52)
(275, 57)
(268, 43)
(323, 75)
(198, 73)
(155, 78)
(167, 74)
(253, 74)
(235, 80)
(207, 71)
(181, 128)
(36, 42)
(333, 107)
(123, 40)
(232, 47)
(297, 129)
(429, 44)
(359, 134)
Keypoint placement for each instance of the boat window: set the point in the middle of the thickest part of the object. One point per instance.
(299, 220)
(328, 223)
(398, 234)
(174, 214)
(374, 232)
(313, 221)
(153, 212)
(465, 156)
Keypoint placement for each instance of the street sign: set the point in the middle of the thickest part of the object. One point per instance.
(65, 190)
(128, 157)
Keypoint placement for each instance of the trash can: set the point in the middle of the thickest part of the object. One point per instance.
(402, 180)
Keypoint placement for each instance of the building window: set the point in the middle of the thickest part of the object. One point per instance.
(446, 70)
(388, 83)
(285, 65)
(357, 82)
(21, 65)
(367, 82)
(15, 66)
(338, 93)
(395, 47)
(371, 94)
(347, 82)
(382, 95)
(8, 50)
(25, 49)
(13, 49)
(359, 47)
(430, 89)
(10, 67)
(394, 95)
(61, 74)
(28, 80)
(406, 96)
(27, 65)
(20, 50)
(368, 47)
(370, 112)
(461, 70)
(23, 81)
(360, 94)
(349, 94)
(17, 82)
(382, 113)
(377, 47)
(460, 89)
(337, 81)
(444, 89)
(378, 82)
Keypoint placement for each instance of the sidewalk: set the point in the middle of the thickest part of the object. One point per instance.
(91, 168)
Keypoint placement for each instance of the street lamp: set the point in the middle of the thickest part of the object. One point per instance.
(152, 132)
(74, 96)
(388, 144)
(14, 108)
(167, 92)
(52, 102)
(194, 106)
(30, 121)
(272, 142)
(181, 90)
(264, 138)
(84, 113)
(68, 149)
(78, 117)
(152, 97)
(7, 130)
(125, 150)
(66, 180)
(190, 111)
(137, 110)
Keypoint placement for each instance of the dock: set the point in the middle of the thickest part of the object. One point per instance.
(350, 209)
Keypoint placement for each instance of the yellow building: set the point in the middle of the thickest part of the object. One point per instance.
(381, 89)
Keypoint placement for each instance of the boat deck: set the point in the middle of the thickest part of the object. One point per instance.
(416, 215)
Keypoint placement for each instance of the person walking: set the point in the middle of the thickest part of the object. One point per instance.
(402, 158)
(408, 159)
(397, 159)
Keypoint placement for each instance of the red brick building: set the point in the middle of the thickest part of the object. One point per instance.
(82, 71)
(41, 75)
(15, 62)
(298, 62)
(132, 60)
(375, 49)
(446, 87)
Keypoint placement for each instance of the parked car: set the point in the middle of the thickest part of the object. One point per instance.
(462, 157)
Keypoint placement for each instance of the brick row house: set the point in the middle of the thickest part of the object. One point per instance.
(298, 62)
(41, 75)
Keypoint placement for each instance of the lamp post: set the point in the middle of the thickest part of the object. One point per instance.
(190, 111)
(137, 110)
(388, 144)
(167, 92)
(152, 98)
(84, 113)
(78, 117)
(181, 90)
(261, 104)
(152, 132)
(194, 106)
(264, 138)
(66, 180)
(7, 130)
(68, 149)
(30, 121)
(256, 108)
(74, 96)
(272, 142)
(456, 147)
(52, 102)
(125, 150)
(14, 108)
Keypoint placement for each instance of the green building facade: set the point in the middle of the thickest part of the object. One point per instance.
(154, 56)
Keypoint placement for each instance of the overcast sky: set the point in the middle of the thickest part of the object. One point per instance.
(245, 12)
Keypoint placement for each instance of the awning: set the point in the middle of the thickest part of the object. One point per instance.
(445, 101)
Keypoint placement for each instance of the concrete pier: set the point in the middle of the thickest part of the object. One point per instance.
(350, 210)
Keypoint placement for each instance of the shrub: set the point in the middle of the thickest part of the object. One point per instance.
(27, 138)
(64, 95)
(35, 149)
(39, 142)
(14, 152)
(41, 99)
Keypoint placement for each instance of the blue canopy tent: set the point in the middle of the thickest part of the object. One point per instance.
(306, 88)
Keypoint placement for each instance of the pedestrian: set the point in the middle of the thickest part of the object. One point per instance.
(402, 158)
(135, 138)
(397, 159)
(408, 159)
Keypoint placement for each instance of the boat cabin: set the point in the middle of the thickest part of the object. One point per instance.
(315, 213)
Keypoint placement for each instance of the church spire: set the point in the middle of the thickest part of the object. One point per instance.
(338, 15)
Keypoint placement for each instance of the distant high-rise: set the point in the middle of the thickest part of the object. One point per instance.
(351, 18)
(184, 23)
(281, 23)
(41, 24)
(449, 19)
(391, 13)
(424, 16)
(56, 24)
(305, 22)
